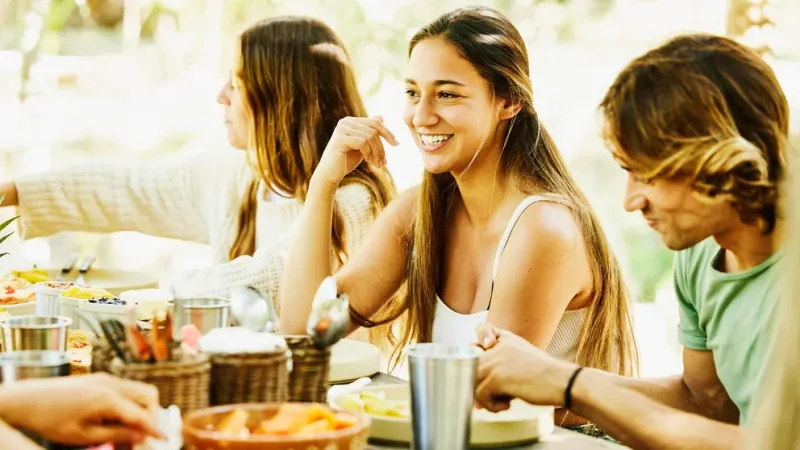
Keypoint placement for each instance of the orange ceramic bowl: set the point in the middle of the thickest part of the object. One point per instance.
(199, 432)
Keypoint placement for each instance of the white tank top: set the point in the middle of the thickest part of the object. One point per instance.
(450, 327)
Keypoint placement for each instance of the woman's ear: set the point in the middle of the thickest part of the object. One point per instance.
(509, 109)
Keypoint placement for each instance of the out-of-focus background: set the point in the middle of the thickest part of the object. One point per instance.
(136, 80)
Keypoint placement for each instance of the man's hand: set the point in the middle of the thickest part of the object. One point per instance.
(511, 367)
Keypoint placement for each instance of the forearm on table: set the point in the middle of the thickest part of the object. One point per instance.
(669, 391)
(675, 393)
(626, 412)
(261, 271)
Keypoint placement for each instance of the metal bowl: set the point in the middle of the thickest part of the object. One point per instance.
(35, 333)
(204, 313)
(33, 364)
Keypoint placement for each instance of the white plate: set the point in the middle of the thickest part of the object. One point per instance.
(521, 424)
(351, 359)
(21, 309)
(112, 280)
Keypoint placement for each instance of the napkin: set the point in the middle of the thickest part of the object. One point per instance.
(170, 425)
(240, 340)
(341, 389)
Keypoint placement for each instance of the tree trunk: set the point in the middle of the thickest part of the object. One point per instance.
(738, 23)
(106, 13)
(31, 33)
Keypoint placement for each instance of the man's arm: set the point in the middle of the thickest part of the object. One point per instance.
(643, 423)
(698, 391)
(513, 368)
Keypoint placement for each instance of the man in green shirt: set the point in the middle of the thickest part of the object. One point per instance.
(727, 316)
(701, 125)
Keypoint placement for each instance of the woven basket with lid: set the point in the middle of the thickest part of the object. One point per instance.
(249, 378)
(308, 380)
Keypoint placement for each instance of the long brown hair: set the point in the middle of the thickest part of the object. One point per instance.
(298, 84)
(707, 109)
(533, 164)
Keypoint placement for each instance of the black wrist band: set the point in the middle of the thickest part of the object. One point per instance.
(568, 391)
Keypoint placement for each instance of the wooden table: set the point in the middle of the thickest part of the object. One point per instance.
(560, 439)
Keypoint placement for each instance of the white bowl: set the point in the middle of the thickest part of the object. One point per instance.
(147, 301)
(93, 313)
(47, 302)
(113, 280)
(68, 307)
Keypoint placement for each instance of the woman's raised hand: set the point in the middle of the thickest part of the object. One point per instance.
(355, 139)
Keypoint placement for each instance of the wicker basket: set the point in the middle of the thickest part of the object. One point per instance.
(249, 378)
(183, 382)
(308, 380)
(102, 355)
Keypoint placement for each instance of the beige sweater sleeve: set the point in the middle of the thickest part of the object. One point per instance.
(166, 199)
(264, 270)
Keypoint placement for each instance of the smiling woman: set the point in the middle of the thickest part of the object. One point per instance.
(447, 111)
(497, 231)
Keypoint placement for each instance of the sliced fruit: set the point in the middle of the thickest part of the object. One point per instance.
(289, 419)
(317, 412)
(351, 403)
(234, 422)
(318, 426)
(344, 420)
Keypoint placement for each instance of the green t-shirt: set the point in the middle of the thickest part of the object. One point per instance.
(730, 314)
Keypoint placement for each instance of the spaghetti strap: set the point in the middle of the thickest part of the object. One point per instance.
(507, 233)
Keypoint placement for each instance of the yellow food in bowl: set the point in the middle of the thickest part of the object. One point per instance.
(375, 403)
(285, 426)
(291, 419)
(86, 293)
(33, 276)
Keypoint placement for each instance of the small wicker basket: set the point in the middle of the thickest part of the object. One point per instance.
(249, 378)
(308, 380)
(184, 381)
(102, 355)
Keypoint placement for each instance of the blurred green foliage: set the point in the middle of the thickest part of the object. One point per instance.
(649, 262)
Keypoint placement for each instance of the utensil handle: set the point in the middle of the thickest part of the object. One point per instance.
(87, 264)
(73, 258)
(114, 340)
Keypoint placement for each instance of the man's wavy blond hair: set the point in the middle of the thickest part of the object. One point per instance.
(709, 110)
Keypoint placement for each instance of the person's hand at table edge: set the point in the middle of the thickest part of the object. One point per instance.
(82, 410)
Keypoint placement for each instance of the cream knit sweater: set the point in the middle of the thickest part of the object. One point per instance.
(194, 200)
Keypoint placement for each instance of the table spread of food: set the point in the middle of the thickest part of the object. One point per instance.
(224, 386)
